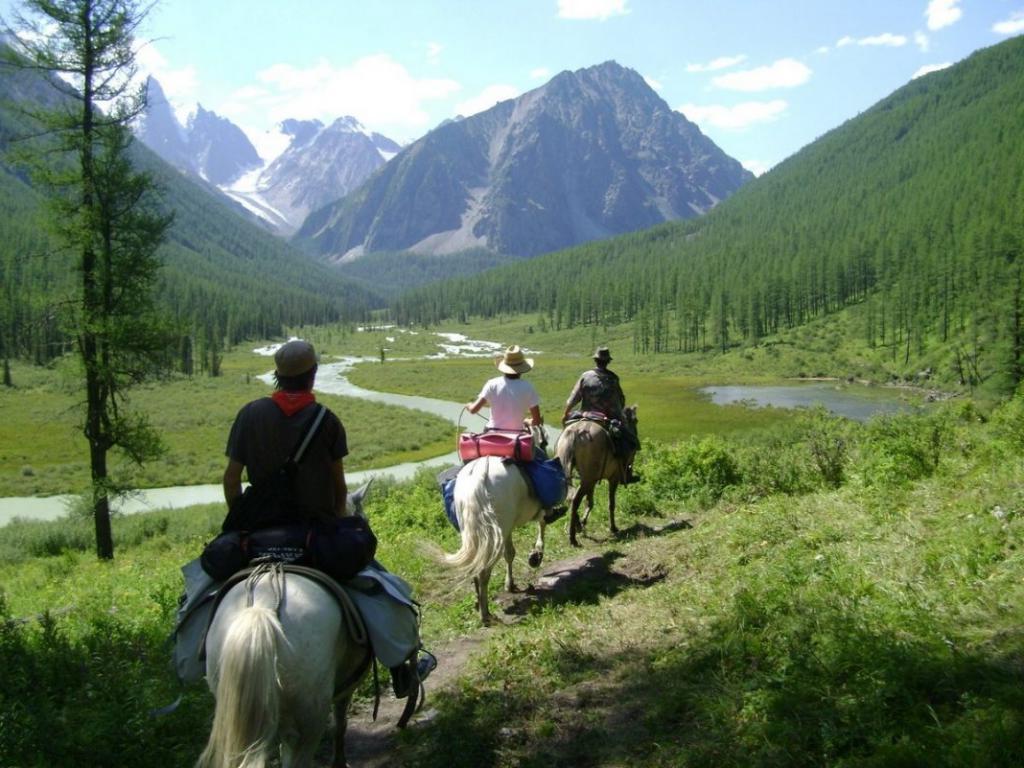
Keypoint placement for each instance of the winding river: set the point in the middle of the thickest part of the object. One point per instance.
(331, 379)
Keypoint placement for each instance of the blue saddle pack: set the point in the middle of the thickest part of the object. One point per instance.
(546, 478)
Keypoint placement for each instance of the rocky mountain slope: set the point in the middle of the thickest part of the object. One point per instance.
(590, 154)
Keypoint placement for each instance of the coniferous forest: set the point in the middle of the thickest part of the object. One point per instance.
(911, 214)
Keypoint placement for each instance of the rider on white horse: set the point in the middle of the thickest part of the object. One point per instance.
(509, 397)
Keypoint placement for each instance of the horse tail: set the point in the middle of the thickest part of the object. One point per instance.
(482, 537)
(248, 694)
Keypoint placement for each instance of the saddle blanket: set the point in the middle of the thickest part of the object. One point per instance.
(384, 601)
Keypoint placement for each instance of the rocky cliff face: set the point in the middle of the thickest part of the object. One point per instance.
(160, 130)
(218, 149)
(321, 165)
(592, 153)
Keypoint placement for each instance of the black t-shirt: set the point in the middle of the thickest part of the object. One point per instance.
(262, 438)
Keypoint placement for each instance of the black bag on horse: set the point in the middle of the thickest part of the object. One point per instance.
(340, 547)
(271, 502)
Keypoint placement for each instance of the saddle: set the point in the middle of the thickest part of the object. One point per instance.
(376, 607)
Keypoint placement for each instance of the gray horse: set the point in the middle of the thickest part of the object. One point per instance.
(586, 449)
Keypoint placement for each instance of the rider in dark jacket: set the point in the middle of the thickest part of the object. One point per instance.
(598, 390)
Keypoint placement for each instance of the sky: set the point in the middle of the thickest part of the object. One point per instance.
(761, 78)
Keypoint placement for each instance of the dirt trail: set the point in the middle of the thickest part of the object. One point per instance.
(369, 743)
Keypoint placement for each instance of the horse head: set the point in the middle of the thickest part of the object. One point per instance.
(354, 502)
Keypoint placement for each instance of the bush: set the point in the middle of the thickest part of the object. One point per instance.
(900, 449)
(700, 470)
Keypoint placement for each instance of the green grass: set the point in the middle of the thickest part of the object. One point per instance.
(42, 450)
(875, 623)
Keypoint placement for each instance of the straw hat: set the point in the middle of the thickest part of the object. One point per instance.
(294, 358)
(513, 361)
(602, 355)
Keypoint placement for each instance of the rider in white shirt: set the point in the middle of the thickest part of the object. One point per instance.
(509, 396)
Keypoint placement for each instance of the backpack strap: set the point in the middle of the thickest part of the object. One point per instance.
(308, 437)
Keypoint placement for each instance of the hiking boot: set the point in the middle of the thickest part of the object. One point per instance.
(426, 665)
(632, 477)
(409, 674)
(554, 513)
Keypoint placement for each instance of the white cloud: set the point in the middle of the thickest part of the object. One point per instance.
(181, 86)
(655, 84)
(888, 39)
(822, 49)
(784, 73)
(1011, 26)
(591, 9)
(921, 39)
(540, 73)
(722, 62)
(737, 116)
(325, 91)
(942, 13)
(490, 96)
(756, 167)
(929, 68)
(434, 52)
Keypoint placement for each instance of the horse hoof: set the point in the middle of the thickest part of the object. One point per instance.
(535, 559)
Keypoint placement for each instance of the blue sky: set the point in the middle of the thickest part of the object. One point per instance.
(761, 78)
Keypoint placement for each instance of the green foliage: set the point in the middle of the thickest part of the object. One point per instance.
(901, 449)
(865, 625)
(700, 469)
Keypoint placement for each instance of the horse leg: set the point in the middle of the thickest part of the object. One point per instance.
(537, 555)
(340, 726)
(510, 555)
(590, 506)
(574, 520)
(613, 486)
(480, 582)
(300, 740)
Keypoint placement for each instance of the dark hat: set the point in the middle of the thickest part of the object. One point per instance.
(513, 361)
(294, 358)
(602, 355)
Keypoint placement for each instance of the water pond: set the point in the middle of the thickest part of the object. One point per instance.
(855, 402)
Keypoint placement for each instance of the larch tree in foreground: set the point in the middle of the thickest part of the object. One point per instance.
(104, 213)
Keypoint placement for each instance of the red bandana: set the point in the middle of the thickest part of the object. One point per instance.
(292, 402)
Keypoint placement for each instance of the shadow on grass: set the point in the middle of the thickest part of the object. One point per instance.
(810, 686)
(584, 579)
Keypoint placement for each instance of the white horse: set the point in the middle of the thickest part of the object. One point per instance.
(491, 499)
(275, 665)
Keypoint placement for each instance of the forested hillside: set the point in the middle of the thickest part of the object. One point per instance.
(912, 213)
(223, 279)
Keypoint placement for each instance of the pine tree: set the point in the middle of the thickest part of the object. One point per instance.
(103, 213)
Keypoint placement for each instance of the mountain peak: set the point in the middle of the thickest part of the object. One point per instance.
(590, 154)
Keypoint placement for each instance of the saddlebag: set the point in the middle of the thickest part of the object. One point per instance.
(517, 446)
(340, 548)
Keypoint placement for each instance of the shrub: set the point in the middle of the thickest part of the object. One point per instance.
(903, 448)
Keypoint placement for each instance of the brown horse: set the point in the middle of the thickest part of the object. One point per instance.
(585, 449)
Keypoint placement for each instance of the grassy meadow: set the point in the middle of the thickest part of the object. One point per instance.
(818, 592)
(788, 589)
(193, 416)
